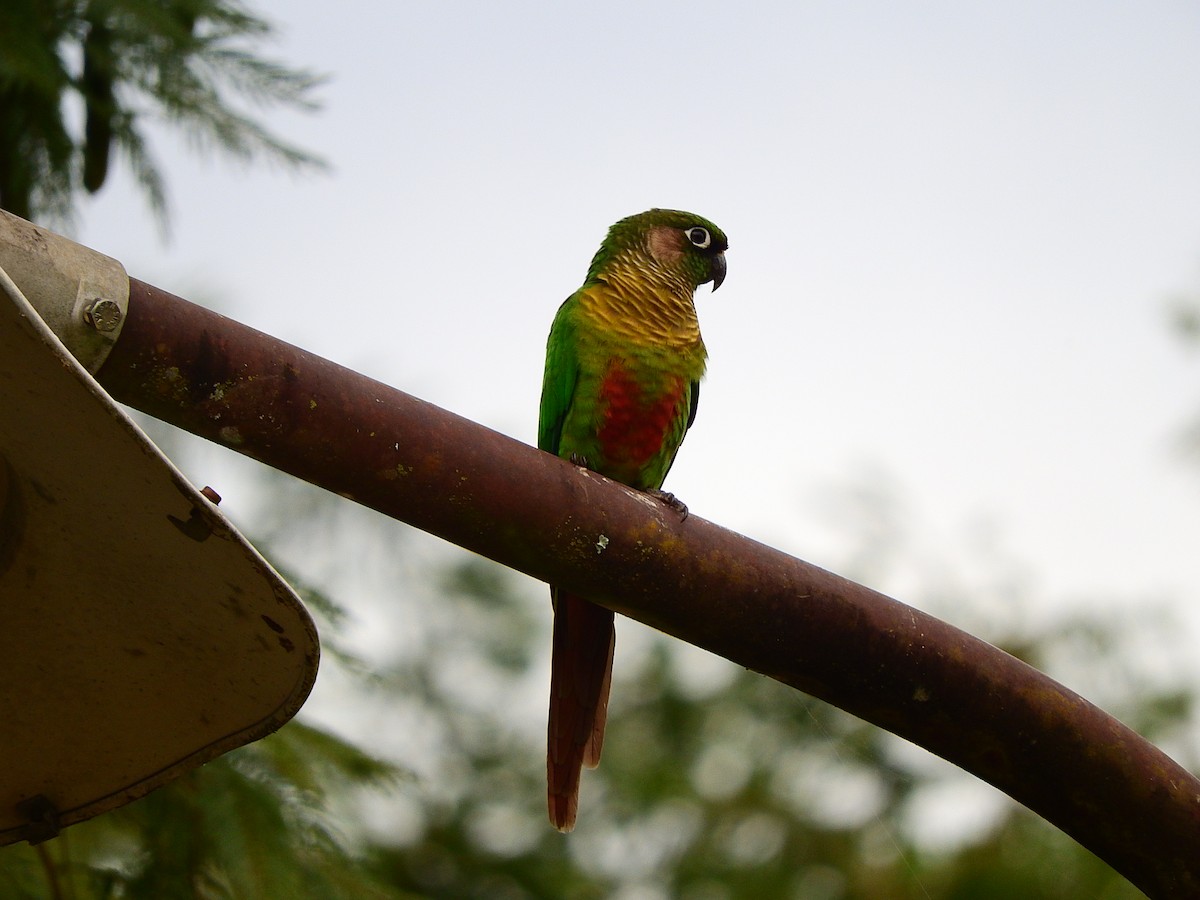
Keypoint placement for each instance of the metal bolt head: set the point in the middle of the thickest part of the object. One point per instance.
(103, 315)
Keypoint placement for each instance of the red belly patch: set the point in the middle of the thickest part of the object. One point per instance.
(636, 421)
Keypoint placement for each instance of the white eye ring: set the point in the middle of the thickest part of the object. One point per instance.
(699, 237)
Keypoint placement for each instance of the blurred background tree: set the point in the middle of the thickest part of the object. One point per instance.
(418, 768)
(122, 62)
(1184, 312)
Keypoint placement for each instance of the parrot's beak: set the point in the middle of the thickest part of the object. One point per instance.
(718, 270)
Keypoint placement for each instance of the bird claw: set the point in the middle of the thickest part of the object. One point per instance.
(665, 497)
(672, 501)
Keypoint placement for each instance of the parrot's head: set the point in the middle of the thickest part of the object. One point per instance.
(678, 247)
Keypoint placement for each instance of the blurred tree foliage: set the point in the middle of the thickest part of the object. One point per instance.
(111, 65)
(716, 784)
(1183, 311)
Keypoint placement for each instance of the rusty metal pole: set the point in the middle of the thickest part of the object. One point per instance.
(885, 662)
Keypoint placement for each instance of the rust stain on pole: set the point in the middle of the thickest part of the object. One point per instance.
(883, 661)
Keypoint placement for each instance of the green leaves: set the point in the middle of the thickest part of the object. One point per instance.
(256, 823)
(191, 63)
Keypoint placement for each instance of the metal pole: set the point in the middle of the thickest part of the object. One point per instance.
(885, 662)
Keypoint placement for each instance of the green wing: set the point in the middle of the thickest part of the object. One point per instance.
(693, 406)
(558, 383)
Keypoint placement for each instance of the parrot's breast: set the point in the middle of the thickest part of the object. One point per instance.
(639, 423)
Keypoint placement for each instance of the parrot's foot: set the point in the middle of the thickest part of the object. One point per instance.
(672, 501)
(580, 461)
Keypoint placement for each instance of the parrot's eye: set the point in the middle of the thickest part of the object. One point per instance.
(699, 237)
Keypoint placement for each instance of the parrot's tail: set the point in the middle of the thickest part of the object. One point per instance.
(580, 675)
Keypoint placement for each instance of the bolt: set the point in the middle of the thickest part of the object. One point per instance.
(103, 315)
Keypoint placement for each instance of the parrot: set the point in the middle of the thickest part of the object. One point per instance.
(624, 361)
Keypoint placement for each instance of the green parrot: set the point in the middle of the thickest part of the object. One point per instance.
(623, 366)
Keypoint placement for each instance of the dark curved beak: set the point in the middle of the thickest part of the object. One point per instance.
(718, 270)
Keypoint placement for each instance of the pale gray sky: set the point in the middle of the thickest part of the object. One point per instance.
(953, 228)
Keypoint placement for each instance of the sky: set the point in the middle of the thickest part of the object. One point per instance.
(955, 231)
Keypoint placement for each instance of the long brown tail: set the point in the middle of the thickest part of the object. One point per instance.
(580, 675)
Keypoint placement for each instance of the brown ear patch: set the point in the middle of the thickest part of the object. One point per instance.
(665, 244)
